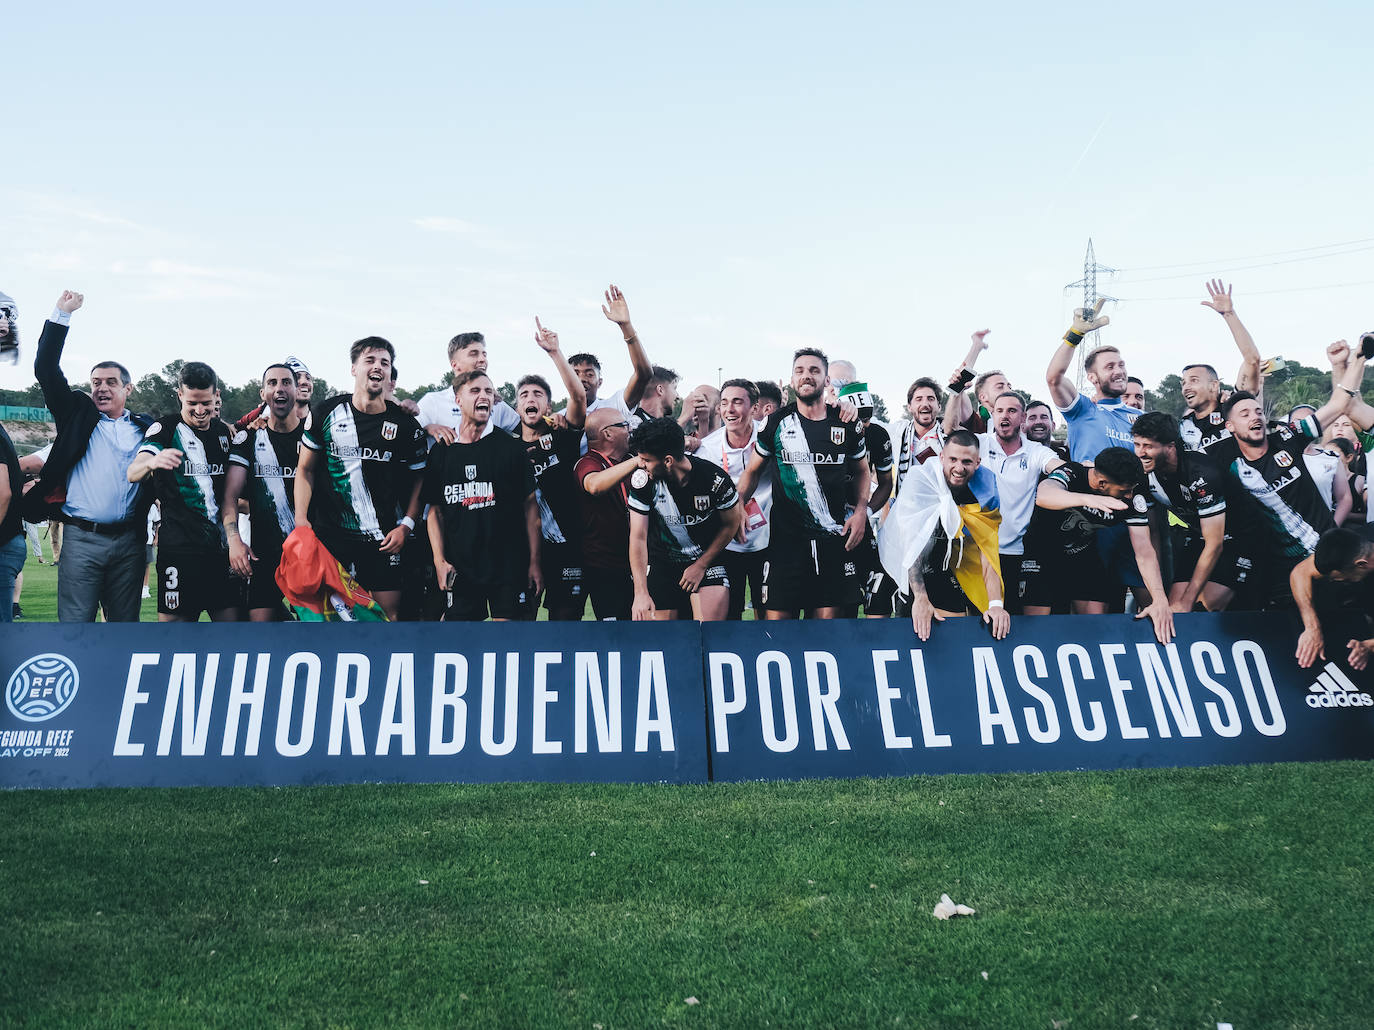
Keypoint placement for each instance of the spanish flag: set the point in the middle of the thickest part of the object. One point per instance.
(317, 588)
(925, 505)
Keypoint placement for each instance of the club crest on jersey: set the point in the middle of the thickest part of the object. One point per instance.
(701, 502)
(470, 471)
(546, 442)
(223, 442)
(837, 435)
(1215, 418)
(388, 430)
(1283, 459)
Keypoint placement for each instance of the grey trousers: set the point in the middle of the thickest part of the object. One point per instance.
(100, 571)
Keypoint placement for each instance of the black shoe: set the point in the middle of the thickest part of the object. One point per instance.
(18, 613)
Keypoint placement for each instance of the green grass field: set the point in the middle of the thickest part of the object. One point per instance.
(1134, 899)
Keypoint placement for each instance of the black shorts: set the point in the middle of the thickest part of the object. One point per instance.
(1080, 577)
(193, 581)
(471, 602)
(1013, 582)
(1234, 568)
(744, 569)
(562, 568)
(810, 573)
(263, 591)
(612, 592)
(943, 590)
(669, 597)
(1034, 584)
(373, 570)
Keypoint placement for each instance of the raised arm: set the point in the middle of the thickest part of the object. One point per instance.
(576, 411)
(1061, 387)
(618, 311)
(47, 363)
(1360, 411)
(957, 408)
(959, 380)
(1248, 378)
(1345, 386)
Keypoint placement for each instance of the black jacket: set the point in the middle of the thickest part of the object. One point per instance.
(76, 416)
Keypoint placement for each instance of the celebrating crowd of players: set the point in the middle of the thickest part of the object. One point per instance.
(464, 507)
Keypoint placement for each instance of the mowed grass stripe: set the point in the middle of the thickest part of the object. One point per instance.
(1177, 897)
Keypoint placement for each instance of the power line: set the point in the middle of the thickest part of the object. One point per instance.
(1248, 257)
(1263, 264)
(1251, 293)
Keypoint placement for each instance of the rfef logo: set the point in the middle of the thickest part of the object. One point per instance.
(42, 687)
(1333, 689)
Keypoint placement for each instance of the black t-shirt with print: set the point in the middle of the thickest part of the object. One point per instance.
(479, 490)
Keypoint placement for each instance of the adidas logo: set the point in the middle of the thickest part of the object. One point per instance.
(1333, 689)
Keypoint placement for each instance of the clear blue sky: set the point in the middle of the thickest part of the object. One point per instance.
(235, 184)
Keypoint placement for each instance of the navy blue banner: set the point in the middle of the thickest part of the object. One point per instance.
(170, 705)
(867, 698)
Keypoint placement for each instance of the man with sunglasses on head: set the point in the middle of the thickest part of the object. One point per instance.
(83, 482)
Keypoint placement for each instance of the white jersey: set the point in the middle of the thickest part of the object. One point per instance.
(1018, 477)
(716, 449)
(1323, 466)
(440, 407)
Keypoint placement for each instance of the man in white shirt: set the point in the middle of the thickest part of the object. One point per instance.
(730, 447)
(1018, 464)
(439, 411)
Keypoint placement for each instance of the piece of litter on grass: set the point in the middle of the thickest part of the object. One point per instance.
(1224, 1026)
(947, 909)
(425, 883)
(873, 886)
(942, 803)
(985, 974)
(810, 881)
(691, 1001)
(593, 854)
(462, 996)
